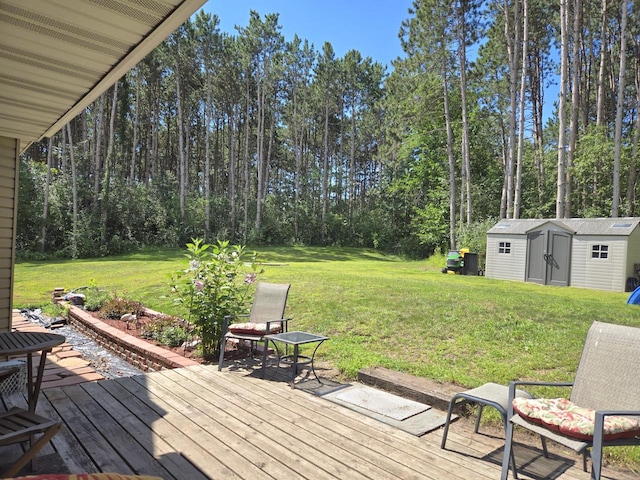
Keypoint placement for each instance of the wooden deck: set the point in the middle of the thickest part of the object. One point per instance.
(197, 423)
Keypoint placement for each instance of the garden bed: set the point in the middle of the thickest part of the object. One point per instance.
(128, 342)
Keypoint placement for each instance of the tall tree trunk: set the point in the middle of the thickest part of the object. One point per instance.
(99, 133)
(107, 168)
(134, 143)
(207, 159)
(601, 72)
(615, 206)
(537, 96)
(182, 165)
(462, 57)
(523, 86)
(74, 195)
(575, 104)
(260, 153)
(513, 49)
(247, 184)
(450, 155)
(633, 167)
(562, 106)
(45, 207)
(325, 169)
(352, 162)
(232, 170)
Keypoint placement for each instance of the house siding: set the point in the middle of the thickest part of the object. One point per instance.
(599, 274)
(8, 211)
(507, 267)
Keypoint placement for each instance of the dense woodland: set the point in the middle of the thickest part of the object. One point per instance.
(259, 139)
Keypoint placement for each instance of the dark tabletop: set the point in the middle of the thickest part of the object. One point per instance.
(296, 338)
(18, 343)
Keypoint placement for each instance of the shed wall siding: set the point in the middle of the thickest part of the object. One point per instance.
(633, 254)
(597, 273)
(506, 267)
(8, 212)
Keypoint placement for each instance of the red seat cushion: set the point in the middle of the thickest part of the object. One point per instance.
(254, 328)
(565, 417)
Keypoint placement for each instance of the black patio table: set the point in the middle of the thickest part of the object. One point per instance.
(27, 343)
(296, 339)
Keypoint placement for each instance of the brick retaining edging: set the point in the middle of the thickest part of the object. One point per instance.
(143, 355)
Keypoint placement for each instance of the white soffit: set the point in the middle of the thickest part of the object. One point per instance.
(58, 56)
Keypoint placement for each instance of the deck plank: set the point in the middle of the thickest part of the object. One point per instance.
(105, 457)
(254, 440)
(358, 445)
(190, 435)
(196, 423)
(353, 432)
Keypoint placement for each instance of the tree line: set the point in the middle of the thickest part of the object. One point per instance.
(257, 139)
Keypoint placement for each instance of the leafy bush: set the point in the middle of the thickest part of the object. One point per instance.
(95, 299)
(215, 284)
(170, 331)
(116, 307)
(173, 336)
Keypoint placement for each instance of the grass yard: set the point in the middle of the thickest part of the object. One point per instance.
(382, 310)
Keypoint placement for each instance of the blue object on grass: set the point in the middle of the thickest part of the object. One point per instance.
(634, 298)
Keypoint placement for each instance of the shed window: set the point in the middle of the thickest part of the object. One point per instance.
(504, 248)
(600, 251)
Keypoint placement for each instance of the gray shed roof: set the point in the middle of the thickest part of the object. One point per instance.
(579, 226)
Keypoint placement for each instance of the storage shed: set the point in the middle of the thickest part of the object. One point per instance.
(599, 253)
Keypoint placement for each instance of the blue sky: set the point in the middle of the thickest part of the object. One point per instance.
(369, 26)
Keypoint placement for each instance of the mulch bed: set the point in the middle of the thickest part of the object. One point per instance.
(137, 328)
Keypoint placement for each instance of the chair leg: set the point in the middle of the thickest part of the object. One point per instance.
(223, 345)
(545, 452)
(596, 448)
(447, 421)
(509, 458)
(35, 447)
(264, 356)
(477, 427)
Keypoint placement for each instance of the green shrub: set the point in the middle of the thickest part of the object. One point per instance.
(170, 331)
(215, 284)
(116, 307)
(95, 299)
(173, 336)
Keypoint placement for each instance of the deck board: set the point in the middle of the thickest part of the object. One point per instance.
(196, 423)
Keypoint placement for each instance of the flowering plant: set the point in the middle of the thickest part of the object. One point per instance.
(216, 283)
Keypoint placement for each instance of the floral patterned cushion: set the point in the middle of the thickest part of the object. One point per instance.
(565, 417)
(250, 328)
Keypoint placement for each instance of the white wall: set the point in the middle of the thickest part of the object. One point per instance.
(597, 273)
(8, 212)
(507, 267)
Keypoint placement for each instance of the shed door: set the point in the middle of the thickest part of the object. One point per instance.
(549, 257)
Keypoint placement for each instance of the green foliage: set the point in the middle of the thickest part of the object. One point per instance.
(170, 331)
(431, 224)
(96, 298)
(173, 336)
(216, 284)
(474, 237)
(116, 307)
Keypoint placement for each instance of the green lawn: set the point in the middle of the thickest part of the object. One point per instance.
(382, 310)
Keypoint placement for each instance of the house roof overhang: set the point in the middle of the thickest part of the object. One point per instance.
(58, 56)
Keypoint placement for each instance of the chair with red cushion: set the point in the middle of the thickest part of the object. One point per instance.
(603, 408)
(267, 316)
